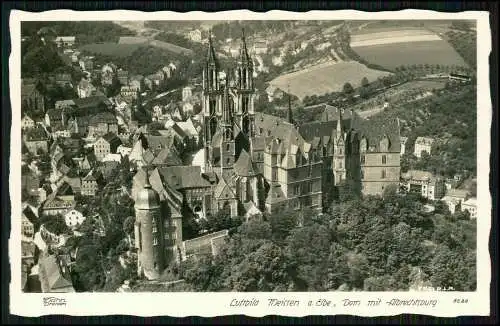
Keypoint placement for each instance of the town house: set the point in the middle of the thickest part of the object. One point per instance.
(105, 145)
(424, 183)
(423, 144)
(31, 97)
(101, 124)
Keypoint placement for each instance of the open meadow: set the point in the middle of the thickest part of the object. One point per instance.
(325, 78)
(110, 49)
(393, 48)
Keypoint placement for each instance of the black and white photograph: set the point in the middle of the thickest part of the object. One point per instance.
(261, 155)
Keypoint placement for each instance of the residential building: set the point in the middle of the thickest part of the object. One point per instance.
(260, 47)
(87, 64)
(186, 93)
(27, 227)
(85, 88)
(31, 97)
(105, 145)
(101, 124)
(54, 275)
(36, 140)
(136, 82)
(470, 205)
(274, 93)
(423, 144)
(123, 76)
(91, 183)
(195, 35)
(129, 92)
(64, 104)
(64, 80)
(403, 144)
(424, 183)
(65, 41)
(27, 122)
(108, 73)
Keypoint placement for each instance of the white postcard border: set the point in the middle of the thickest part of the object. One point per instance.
(210, 304)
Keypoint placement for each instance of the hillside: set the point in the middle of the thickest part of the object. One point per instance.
(85, 31)
(449, 118)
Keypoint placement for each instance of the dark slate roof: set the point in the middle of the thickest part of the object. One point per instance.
(30, 215)
(374, 130)
(103, 117)
(168, 156)
(65, 190)
(54, 114)
(113, 140)
(52, 277)
(278, 127)
(244, 166)
(35, 134)
(91, 101)
(180, 177)
(107, 168)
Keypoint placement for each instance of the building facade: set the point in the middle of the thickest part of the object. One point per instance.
(423, 144)
(424, 183)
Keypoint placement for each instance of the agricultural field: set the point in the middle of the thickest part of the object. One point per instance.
(325, 78)
(394, 48)
(110, 49)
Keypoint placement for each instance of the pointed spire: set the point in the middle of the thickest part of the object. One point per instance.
(211, 57)
(339, 124)
(289, 113)
(244, 57)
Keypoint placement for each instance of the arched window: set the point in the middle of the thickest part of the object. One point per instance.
(384, 159)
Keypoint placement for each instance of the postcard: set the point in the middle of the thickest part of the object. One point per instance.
(210, 164)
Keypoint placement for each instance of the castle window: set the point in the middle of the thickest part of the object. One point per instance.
(362, 159)
(269, 132)
(155, 229)
(274, 175)
(362, 174)
(340, 164)
(261, 131)
(382, 174)
(228, 160)
(155, 241)
(227, 147)
(296, 190)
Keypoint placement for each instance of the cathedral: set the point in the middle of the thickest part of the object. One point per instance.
(275, 163)
(254, 162)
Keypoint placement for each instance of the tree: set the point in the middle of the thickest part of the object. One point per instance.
(364, 82)
(128, 227)
(348, 89)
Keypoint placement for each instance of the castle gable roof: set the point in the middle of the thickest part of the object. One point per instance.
(244, 165)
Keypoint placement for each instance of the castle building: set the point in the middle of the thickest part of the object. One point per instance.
(252, 159)
(154, 231)
(273, 162)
